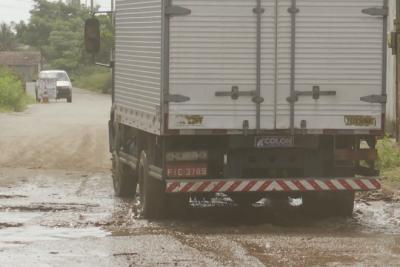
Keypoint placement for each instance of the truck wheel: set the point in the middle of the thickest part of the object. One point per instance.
(123, 179)
(342, 204)
(69, 99)
(151, 192)
(178, 205)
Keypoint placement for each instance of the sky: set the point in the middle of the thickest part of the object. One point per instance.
(16, 10)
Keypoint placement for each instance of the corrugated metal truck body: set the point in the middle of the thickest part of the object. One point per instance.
(138, 69)
(248, 98)
(178, 71)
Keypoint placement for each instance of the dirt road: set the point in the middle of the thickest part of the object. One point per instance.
(57, 209)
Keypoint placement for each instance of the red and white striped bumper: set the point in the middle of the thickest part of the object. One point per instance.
(272, 185)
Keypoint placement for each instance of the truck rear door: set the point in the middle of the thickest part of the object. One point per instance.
(338, 64)
(269, 64)
(213, 62)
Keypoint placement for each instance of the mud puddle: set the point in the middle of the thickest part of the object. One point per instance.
(47, 207)
(222, 217)
(22, 235)
(24, 226)
(11, 196)
(378, 217)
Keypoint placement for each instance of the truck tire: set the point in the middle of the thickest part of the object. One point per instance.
(69, 99)
(151, 192)
(340, 204)
(123, 179)
(178, 205)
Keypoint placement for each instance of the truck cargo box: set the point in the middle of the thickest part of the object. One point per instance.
(235, 66)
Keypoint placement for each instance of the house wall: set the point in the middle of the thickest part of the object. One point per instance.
(27, 73)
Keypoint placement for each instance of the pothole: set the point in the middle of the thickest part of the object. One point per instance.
(11, 196)
(10, 225)
(48, 207)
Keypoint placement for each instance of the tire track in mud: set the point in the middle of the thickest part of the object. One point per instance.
(224, 250)
(320, 251)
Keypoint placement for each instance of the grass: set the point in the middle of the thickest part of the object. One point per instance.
(12, 95)
(389, 159)
(94, 79)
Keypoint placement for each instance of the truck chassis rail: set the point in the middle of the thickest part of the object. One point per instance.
(272, 185)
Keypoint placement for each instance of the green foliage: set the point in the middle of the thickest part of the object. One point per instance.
(95, 79)
(392, 175)
(57, 30)
(389, 159)
(389, 154)
(8, 39)
(12, 95)
(106, 38)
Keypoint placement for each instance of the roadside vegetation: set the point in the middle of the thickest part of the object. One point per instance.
(56, 29)
(95, 79)
(389, 159)
(12, 95)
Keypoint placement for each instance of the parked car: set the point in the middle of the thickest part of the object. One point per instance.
(49, 79)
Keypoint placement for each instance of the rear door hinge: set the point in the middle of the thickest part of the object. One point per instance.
(376, 11)
(379, 99)
(177, 11)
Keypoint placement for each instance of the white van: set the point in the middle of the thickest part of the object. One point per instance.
(56, 84)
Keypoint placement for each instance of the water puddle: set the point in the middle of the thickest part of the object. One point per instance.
(23, 227)
(16, 236)
(379, 216)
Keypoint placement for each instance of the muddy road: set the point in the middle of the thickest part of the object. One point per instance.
(57, 209)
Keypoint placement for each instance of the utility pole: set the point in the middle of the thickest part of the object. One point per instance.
(92, 6)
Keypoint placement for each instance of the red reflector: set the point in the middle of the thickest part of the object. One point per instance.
(186, 170)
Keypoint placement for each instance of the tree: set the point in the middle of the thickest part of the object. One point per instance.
(7, 38)
(56, 29)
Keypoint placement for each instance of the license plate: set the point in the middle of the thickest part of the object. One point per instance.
(186, 170)
(274, 141)
(360, 121)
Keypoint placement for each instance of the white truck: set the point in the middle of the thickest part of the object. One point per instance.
(250, 98)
